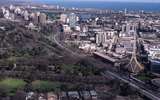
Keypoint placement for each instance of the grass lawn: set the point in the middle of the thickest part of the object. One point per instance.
(10, 86)
(143, 78)
(45, 86)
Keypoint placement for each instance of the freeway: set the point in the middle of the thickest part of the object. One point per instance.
(142, 88)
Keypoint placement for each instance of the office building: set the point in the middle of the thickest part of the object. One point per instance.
(128, 30)
(42, 18)
(26, 15)
(72, 20)
(63, 18)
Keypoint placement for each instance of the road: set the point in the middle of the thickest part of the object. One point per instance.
(143, 89)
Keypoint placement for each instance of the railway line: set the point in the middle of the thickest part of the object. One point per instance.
(142, 88)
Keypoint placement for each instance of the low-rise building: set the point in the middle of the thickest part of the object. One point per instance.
(52, 96)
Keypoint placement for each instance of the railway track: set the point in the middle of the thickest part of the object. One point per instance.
(142, 88)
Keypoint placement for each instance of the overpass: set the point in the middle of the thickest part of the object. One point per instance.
(104, 56)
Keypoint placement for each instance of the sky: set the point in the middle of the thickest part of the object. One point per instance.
(153, 1)
(109, 0)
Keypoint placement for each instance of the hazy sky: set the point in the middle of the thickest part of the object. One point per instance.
(95, 0)
(109, 0)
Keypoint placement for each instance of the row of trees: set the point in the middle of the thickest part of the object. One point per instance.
(9, 86)
(80, 70)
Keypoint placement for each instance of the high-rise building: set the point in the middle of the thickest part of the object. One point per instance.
(11, 7)
(17, 10)
(101, 37)
(128, 29)
(26, 15)
(125, 11)
(66, 28)
(84, 29)
(3, 10)
(63, 18)
(72, 20)
(42, 18)
(34, 17)
(6, 14)
(12, 17)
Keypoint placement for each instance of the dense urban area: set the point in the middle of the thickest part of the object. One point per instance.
(49, 52)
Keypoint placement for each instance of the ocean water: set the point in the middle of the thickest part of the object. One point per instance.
(107, 5)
